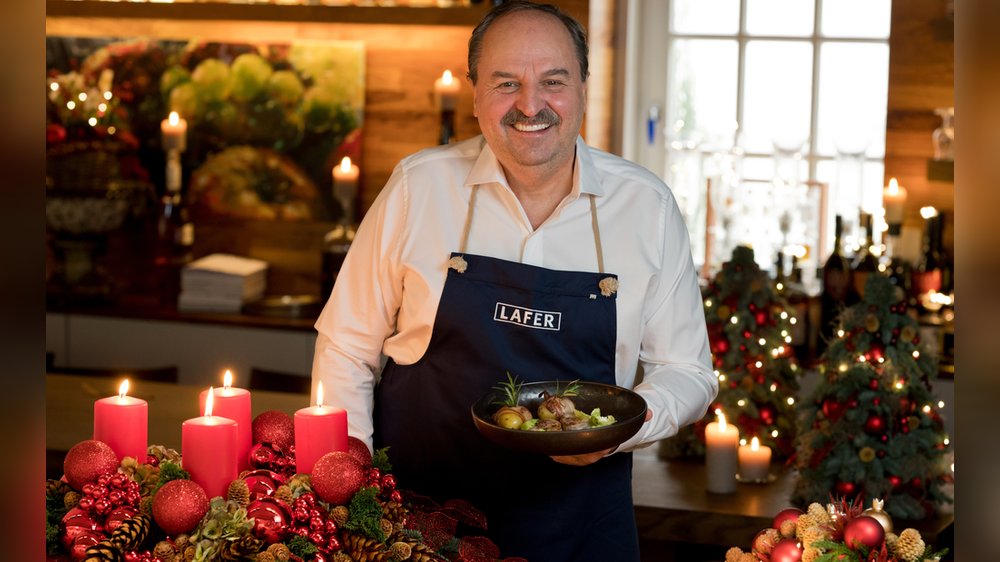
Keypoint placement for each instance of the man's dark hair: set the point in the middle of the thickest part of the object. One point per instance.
(576, 32)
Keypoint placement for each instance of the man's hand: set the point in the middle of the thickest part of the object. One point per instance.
(591, 458)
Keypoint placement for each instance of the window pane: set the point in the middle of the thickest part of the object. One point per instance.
(777, 95)
(853, 87)
(705, 16)
(702, 91)
(780, 17)
(856, 18)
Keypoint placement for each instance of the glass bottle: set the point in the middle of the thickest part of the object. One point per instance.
(865, 263)
(929, 269)
(337, 241)
(836, 286)
(174, 234)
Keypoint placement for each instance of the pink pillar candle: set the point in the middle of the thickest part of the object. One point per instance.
(209, 450)
(122, 422)
(319, 430)
(233, 403)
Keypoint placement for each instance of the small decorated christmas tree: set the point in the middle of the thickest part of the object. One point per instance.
(749, 330)
(872, 427)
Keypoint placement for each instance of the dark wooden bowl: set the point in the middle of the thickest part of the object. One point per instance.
(628, 408)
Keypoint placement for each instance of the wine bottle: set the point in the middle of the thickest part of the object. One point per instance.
(865, 263)
(174, 246)
(928, 272)
(836, 286)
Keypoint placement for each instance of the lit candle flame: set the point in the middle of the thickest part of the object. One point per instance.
(208, 402)
(227, 380)
(174, 119)
(319, 394)
(754, 443)
(123, 389)
(893, 187)
(928, 212)
(722, 419)
(345, 164)
(447, 78)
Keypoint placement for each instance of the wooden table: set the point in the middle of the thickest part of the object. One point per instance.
(672, 507)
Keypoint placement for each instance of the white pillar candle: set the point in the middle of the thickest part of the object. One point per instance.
(721, 443)
(755, 461)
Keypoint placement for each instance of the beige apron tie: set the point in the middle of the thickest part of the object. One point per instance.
(608, 285)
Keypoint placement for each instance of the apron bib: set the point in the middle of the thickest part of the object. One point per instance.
(496, 316)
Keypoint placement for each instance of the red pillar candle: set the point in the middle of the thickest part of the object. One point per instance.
(209, 450)
(233, 403)
(318, 430)
(122, 422)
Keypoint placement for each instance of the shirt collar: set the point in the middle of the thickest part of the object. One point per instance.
(487, 169)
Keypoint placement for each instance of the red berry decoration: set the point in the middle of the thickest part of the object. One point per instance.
(274, 427)
(787, 514)
(875, 425)
(337, 476)
(845, 488)
(768, 414)
(786, 550)
(179, 505)
(833, 409)
(864, 531)
(88, 460)
(359, 450)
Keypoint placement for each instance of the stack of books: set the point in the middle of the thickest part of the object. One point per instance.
(221, 283)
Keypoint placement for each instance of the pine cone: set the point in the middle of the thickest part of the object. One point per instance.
(71, 499)
(280, 552)
(132, 532)
(164, 551)
(189, 552)
(239, 492)
(422, 553)
(395, 512)
(243, 548)
(56, 488)
(146, 506)
(734, 554)
(339, 514)
(812, 535)
(264, 557)
(910, 546)
(364, 549)
(401, 550)
(103, 551)
(341, 557)
(284, 493)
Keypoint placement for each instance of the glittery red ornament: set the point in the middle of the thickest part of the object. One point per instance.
(86, 461)
(786, 550)
(274, 427)
(179, 505)
(787, 514)
(864, 530)
(337, 476)
(359, 450)
(271, 519)
(833, 409)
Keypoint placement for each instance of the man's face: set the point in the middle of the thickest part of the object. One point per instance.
(530, 96)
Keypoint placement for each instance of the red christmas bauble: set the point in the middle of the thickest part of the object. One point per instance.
(78, 547)
(845, 488)
(721, 346)
(786, 550)
(262, 483)
(864, 530)
(271, 519)
(873, 383)
(274, 427)
(179, 505)
(359, 450)
(832, 409)
(760, 318)
(787, 514)
(86, 461)
(877, 351)
(118, 516)
(77, 522)
(337, 476)
(875, 425)
(768, 414)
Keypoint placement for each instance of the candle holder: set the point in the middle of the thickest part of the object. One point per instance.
(770, 478)
(447, 135)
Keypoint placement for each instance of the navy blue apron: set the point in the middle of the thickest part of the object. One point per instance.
(535, 507)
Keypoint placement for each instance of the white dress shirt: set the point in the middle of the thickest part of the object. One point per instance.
(387, 292)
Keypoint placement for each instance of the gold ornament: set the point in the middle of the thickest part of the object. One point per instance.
(723, 312)
(907, 333)
(866, 454)
(876, 513)
(871, 323)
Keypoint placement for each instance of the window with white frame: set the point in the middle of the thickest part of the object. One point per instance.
(771, 100)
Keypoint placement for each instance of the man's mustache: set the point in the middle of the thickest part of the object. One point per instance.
(544, 117)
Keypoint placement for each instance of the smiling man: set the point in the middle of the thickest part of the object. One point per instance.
(520, 251)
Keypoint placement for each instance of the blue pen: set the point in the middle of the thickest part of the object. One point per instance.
(652, 118)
